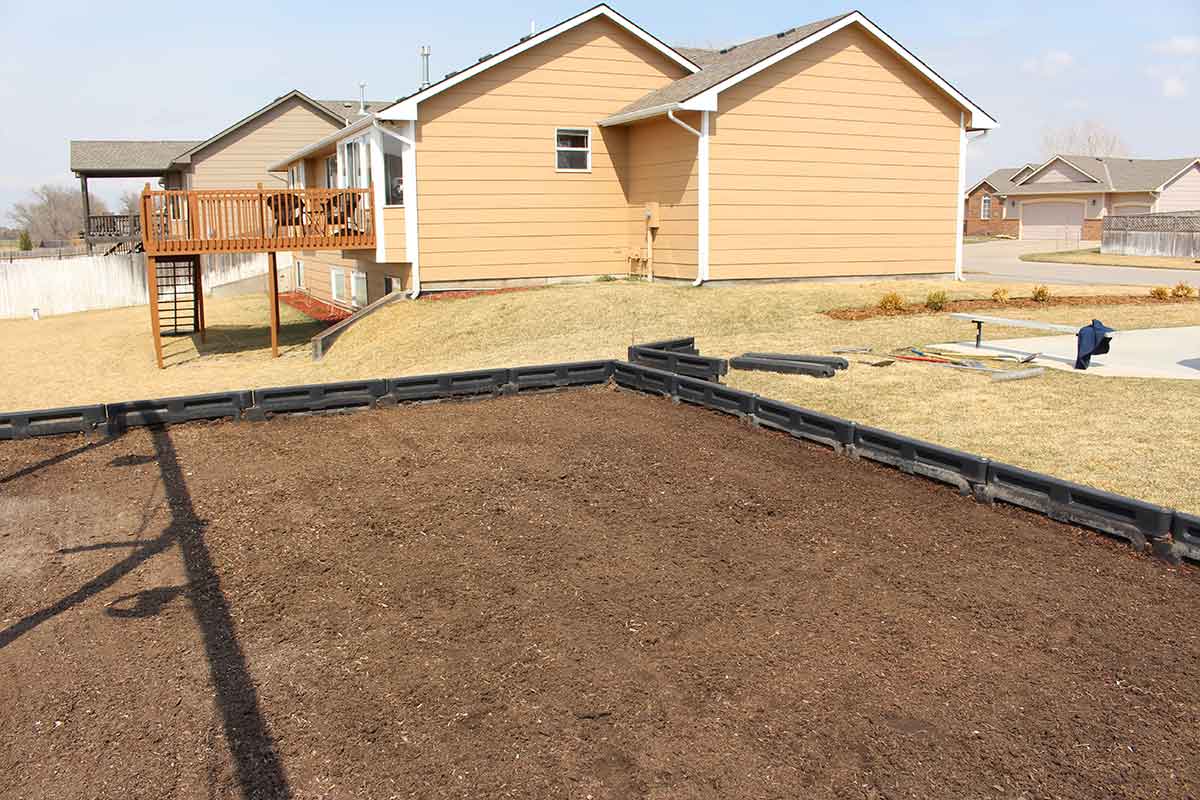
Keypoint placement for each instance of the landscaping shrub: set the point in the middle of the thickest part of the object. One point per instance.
(24, 242)
(1183, 290)
(1041, 294)
(936, 301)
(1160, 293)
(1000, 295)
(891, 302)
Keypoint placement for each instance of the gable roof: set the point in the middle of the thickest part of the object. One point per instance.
(1000, 180)
(1070, 162)
(128, 157)
(347, 110)
(334, 109)
(699, 91)
(406, 107)
(1112, 175)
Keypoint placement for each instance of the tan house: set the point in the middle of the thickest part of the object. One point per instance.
(1067, 197)
(593, 148)
(236, 157)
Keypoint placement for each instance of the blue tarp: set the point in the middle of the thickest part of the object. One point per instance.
(1092, 340)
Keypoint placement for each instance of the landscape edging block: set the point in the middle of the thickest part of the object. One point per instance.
(694, 366)
(319, 396)
(184, 408)
(685, 344)
(442, 385)
(804, 423)
(572, 373)
(935, 461)
(52, 421)
(782, 366)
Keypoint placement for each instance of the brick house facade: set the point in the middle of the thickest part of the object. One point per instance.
(974, 223)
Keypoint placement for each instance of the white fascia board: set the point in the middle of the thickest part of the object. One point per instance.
(634, 116)
(342, 133)
(406, 109)
(1050, 161)
(706, 100)
(981, 183)
(1176, 175)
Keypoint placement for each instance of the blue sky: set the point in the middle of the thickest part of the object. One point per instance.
(165, 70)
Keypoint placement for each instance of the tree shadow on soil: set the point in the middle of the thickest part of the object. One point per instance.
(56, 459)
(257, 763)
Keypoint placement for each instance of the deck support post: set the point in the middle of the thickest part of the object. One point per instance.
(87, 213)
(152, 287)
(273, 281)
(198, 300)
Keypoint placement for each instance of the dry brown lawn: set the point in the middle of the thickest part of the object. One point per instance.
(1129, 435)
(1093, 257)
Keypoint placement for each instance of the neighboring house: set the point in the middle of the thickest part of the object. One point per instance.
(593, 148)
(235, 158)
(1067, 197)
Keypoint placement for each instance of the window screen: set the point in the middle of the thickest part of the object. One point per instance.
(573, 149)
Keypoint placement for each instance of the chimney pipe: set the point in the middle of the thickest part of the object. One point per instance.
(424, 66)
(362, 98)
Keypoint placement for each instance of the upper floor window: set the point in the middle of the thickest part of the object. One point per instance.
(985, 208)
(331, 172)
(296, 175)
(355, 164)
(393, 168)
(573, 149)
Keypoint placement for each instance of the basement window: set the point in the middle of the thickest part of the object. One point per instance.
(985, 208)
(337, 284)
(573, 149)
(358, 288)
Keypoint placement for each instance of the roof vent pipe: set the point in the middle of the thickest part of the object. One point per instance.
(362, 97)
(425, 66)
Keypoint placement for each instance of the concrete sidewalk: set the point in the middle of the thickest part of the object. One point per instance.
(1146, 353)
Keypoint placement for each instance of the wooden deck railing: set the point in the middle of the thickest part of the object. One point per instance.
(256, 220)
(113, 226)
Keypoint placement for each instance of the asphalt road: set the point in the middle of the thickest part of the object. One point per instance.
(998, 261)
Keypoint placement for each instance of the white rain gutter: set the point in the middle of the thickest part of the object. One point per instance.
(702, 200)
(634, 116)
(412, 245)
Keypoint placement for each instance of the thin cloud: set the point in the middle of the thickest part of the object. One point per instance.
(1178, 46)
(1174, 86)
(1049, 64)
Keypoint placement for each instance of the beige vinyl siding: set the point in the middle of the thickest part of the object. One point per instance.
(1181, 194)
(393, 234)
(317, 266)
(662, 168)
(240, 160)
(1143, 200)
(492, 205)
(841, 160)
(1058, 171)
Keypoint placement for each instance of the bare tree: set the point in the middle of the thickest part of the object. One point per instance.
(1088, 138)
(54, 213)
(131, 202)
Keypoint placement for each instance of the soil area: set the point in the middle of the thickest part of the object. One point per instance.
(870, 312)
(318, 310)
(588, 594)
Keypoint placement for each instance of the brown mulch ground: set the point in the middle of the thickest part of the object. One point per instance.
(870, 312)
(586, 594)
(318, 310)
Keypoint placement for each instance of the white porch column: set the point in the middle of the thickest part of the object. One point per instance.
(960, 201)
(412, 242)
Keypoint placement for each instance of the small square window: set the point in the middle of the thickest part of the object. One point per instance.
(573, 149)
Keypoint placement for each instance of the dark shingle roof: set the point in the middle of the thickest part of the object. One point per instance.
(699, 55)
(126, 155)
(1113, 175)
(728, 63)
(348, 109)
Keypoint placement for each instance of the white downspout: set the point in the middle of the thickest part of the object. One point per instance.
(961, 201)
(408, 157)
(702, 199)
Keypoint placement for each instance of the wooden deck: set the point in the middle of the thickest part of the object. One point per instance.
(191, 222)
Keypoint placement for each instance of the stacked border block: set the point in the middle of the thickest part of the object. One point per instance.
(1169, 534)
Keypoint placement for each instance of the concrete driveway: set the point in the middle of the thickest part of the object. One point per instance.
(999, 261)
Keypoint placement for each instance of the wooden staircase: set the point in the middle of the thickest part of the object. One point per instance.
(178, 314)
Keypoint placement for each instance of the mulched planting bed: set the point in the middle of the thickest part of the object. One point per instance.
(857, 313)
(582, 594)
(318, 310)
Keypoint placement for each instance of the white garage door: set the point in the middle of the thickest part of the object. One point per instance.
(1051, 220)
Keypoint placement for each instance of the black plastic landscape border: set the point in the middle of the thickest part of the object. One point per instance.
(1169, 534)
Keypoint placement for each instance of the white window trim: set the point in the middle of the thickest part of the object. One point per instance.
(296, 177)
(558, 149)
(354, 273)
(300, 277)
(337, 280)
(331, 178)
(985, 207)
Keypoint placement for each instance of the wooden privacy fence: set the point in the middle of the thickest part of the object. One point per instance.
(180, 222)
(1174, 233)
